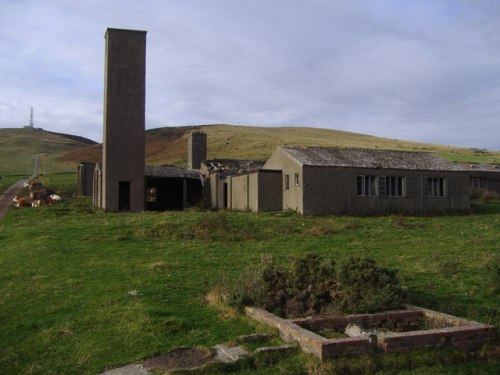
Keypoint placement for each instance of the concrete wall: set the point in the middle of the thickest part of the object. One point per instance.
(85, 179)
(486, 180)
(239, 192)
(334, 191)
(292, 198)
(124, 112)
(254, 191)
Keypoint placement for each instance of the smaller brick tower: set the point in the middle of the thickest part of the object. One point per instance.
(197, 149)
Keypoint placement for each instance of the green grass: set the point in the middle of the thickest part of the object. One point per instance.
(81, 290)
(8, 181)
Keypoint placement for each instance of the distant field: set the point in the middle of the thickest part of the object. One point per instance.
(81, 290)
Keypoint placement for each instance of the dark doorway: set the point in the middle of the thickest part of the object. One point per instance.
(226, 195)
(124, 196)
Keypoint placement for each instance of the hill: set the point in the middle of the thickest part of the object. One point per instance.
(169, 145)
(18, 147)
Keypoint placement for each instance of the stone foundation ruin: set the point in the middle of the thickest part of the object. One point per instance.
(392, 331)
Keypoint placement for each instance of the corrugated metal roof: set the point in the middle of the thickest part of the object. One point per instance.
(170, 171)
(368, 158)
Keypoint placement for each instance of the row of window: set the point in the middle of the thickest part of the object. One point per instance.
(395, 186)
(387, 186)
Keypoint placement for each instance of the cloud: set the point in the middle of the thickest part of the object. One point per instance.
(416, 70)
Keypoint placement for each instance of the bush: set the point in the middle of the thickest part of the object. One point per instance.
(364, 287)
(311, 285)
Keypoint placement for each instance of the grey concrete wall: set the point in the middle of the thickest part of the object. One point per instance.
(489, 180)
(334, 191)
(85, 179)
(124, 112)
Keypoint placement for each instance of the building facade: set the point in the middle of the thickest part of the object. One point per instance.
(321, 181)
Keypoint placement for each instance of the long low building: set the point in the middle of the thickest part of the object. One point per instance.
(327, 180)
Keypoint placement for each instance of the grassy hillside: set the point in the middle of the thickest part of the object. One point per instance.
(169, 145)
(63, 152)
(19, 146)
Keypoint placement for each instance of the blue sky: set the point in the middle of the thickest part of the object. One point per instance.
(414, 70)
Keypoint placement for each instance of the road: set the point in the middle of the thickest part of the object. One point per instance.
(6, 198)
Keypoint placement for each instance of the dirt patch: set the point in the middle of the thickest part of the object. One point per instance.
(179, 359)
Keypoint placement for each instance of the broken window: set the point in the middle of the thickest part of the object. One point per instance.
(287, 182)
(296, 179)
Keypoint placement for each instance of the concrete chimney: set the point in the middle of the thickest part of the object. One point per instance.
(197, 149)
(124, 118)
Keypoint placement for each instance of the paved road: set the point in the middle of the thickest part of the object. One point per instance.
(6, 198)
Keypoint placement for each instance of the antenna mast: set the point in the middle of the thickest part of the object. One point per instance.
(32, 123)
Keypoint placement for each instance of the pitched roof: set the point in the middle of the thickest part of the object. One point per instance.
(170, 171)
(367, 158)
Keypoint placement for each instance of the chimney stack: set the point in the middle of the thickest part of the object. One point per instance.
(197, 149)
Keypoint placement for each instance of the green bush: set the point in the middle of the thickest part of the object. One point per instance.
(365, 287)
(311, 284)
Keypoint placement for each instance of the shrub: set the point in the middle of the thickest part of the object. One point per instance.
(310, 284)
(364, 287)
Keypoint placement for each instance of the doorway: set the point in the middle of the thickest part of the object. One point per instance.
(124, 196)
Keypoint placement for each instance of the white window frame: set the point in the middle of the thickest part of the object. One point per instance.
(366, 186)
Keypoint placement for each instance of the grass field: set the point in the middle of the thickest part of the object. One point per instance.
(81, 290)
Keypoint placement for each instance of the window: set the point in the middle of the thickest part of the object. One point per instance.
(296, 179)
(478, 182)
(366, 186)
(436, 186)
(287, 182)
(394, 186)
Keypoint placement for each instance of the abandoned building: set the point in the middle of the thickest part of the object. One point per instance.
(484, 176)
(309, 180)
(322, 180)
(172, 188)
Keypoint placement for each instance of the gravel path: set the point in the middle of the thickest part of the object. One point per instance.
(6, 198)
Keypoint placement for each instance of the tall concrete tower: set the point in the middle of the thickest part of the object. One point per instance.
(124, 118)
(197, 149)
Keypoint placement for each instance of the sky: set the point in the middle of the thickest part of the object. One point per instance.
(418, 70)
